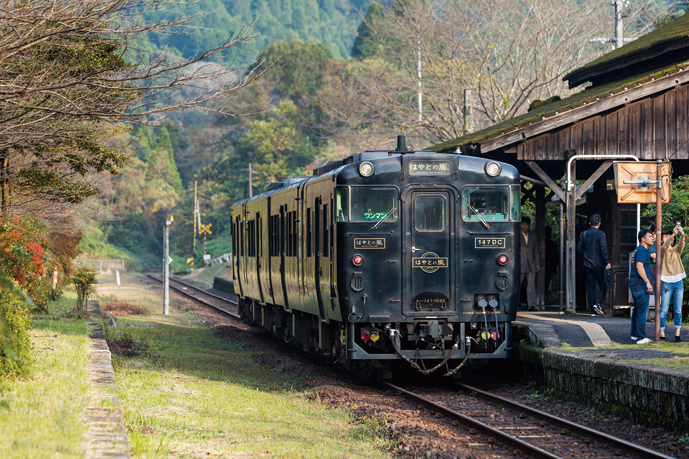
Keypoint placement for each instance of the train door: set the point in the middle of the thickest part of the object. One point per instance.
(429, 249)
(324, 262)
(281, 249)
(238, 255)
(258, 252)
(243, 233)
(319, 247)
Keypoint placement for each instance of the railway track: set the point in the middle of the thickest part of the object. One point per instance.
(509, 429)
(505, 428)
(220, 303)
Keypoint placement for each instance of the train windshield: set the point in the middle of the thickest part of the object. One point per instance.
(494, 204)
(372, 204)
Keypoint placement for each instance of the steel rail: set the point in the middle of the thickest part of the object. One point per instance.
(514, 442)
(185, 293)
(601, 437)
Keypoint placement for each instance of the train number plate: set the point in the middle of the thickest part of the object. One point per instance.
(430, 300)
(425, 168)
(489, 243)
(369, 243)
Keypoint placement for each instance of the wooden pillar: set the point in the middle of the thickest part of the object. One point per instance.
(540, 238)
(571, 254)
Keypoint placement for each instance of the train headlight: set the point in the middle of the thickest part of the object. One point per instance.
(366, 169)
(493, 169)
(358, 260)
(502, 259)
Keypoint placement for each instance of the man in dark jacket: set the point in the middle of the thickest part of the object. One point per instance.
(594, 249)
(529, 262)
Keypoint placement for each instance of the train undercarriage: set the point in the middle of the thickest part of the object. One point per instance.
(427, 345)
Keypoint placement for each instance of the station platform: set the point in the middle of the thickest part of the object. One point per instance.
(647, 383)
(549, 328)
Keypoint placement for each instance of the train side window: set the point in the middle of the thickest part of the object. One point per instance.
(290, 220)
(326, 238)
(342, 204)
(309, 236)
(430, 213)
(242, 234)
(294, 234)
(259, 235)
(488, 203)
(373, 203)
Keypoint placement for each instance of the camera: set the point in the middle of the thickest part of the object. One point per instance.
(678, 223)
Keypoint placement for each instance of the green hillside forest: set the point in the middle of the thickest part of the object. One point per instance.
(337, 76)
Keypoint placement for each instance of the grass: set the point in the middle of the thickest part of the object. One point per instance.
(206, 274)
(41, 415)
(675, 362)
(192, 394)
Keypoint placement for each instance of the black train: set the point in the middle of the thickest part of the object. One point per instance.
(385, 257)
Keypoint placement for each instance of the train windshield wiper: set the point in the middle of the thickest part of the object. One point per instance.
(385, 217)
(485, 223)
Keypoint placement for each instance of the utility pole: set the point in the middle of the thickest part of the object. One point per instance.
(251, 187)
(166, 265)
(196, 210)
(619, 39)
(418, 69)
(619, 25)
(467, 112)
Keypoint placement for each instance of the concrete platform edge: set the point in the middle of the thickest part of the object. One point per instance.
(106, 436)
(648, 395)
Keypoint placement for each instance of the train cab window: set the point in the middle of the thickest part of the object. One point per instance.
(494, 204)
(342, 204)
(516, 203)
(372, 204)
(430, 213)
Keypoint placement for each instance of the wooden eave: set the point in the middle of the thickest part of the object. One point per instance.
(673, 51)
(549, 119)
(653, 50)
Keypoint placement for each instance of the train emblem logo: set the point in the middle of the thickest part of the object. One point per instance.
(429, 262)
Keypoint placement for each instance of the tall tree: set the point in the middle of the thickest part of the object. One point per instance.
(509, 53)
(364, 44)
(64, 83)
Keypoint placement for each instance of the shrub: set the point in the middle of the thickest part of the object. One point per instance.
(26, 258)
(14, 324)
(84, 280)
(123, 308)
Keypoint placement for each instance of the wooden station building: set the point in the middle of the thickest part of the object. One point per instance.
(636, 105)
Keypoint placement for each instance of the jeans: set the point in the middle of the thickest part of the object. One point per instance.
(594, 275)
(668, 291)
(640, 297)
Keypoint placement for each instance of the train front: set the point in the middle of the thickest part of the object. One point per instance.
(427, 258)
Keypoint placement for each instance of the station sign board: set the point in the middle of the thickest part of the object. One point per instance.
(643, 191)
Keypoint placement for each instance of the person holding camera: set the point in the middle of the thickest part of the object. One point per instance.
(671, 278)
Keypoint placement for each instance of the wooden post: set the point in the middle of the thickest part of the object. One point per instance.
(540, 239)
(571, 289)
(561, 268)
(659, 260)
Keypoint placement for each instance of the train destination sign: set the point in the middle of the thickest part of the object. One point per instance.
(489, 243)
(369, 243)
(427, 168)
